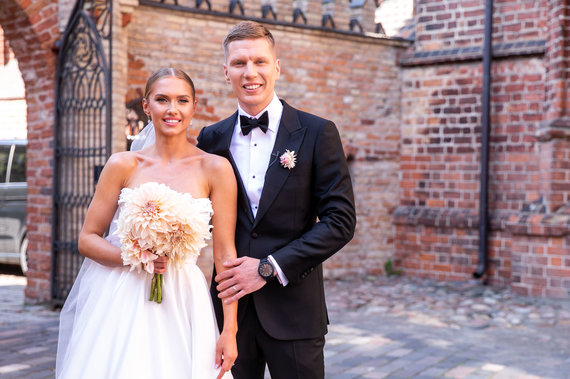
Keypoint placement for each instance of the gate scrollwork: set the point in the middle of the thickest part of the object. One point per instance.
(82, 132)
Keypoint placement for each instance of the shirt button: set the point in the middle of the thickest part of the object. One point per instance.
(253, 176)
(254, 235)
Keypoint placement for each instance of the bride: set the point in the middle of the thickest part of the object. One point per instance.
(108, 326)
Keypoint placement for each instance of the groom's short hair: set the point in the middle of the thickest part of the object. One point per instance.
(247, 30)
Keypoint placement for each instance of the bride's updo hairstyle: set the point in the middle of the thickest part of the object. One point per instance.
(166, 72)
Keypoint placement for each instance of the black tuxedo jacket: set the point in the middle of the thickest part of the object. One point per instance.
(305, 215)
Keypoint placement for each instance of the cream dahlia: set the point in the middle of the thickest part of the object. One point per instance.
(155, 220)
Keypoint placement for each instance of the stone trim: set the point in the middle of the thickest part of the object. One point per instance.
(435, 217)
(555, 224)
(556, 129)
(472, 53)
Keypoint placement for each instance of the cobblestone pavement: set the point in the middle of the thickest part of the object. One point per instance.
(411, 328)
(382, 327)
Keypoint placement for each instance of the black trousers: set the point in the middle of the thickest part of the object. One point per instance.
(296, 359)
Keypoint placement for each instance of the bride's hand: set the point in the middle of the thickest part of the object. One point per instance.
(160, 264)
(226, 352)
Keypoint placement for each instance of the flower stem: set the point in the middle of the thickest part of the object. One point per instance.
(156, 288)
(152, 287)
(160, 282)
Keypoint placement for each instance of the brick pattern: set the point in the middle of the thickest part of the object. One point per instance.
(119, 78)
(375, 186)
(539, 268)
(437, 221)
(31, 27)
(441, 128)
(557, 52)
(555, 129)
(437, 245)
(443, 24)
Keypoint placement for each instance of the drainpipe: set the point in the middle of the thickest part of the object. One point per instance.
(485, 127)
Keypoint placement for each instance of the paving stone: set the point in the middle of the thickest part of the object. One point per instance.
(375, 375)
(380, 328)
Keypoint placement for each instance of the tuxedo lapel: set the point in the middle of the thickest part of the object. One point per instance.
(224, 139)
(289, 137)
(224, 136)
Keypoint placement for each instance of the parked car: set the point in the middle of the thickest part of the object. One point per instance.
(13, 191)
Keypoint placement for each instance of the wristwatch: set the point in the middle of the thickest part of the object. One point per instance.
(266, 270)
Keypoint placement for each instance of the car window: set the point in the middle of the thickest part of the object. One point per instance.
(4, 155)
(18, 171)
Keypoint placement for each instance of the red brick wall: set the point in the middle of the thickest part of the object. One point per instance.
(32, 28)
(555, 128)
(529, 170)
(441, 134)
(444, 24)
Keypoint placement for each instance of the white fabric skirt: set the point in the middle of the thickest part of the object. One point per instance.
(109, 329)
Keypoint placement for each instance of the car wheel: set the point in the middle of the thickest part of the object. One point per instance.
(24, 255)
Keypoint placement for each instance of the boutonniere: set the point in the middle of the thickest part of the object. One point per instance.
(288, 159)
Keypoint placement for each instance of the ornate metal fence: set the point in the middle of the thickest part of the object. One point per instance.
(82, 132)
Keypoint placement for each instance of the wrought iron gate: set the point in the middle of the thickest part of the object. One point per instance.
(82, 132)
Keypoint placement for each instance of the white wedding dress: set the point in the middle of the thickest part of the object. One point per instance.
(110, 330)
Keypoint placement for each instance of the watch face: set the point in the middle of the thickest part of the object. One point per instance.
(265, 270)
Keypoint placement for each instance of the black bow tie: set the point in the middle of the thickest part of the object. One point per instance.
(247, 123)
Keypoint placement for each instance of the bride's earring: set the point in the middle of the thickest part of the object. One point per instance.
(149, 119)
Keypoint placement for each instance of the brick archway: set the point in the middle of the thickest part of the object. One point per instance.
(31, 27)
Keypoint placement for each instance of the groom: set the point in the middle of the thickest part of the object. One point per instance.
(295, 210)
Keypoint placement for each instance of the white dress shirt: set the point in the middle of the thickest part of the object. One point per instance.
(252, 154)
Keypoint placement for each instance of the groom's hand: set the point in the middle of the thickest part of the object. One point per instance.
(240, 278)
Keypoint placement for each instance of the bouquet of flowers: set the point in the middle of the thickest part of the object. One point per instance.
(155, 221)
